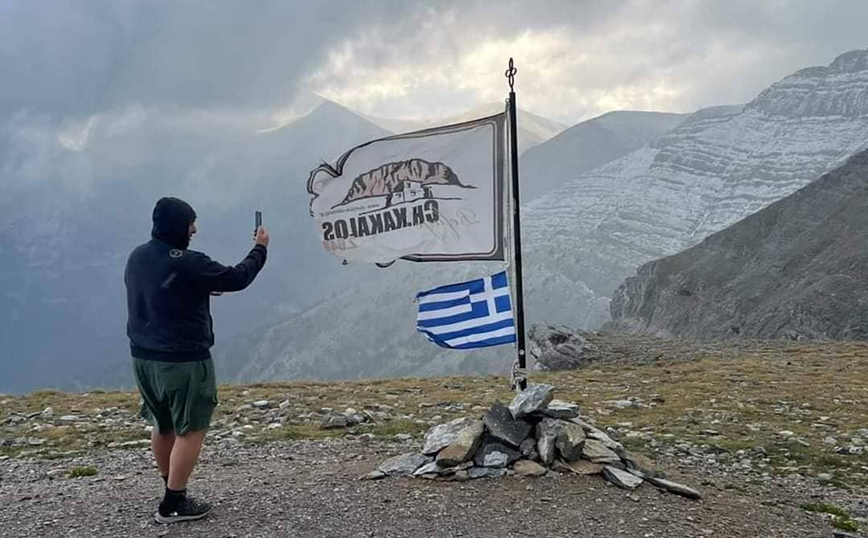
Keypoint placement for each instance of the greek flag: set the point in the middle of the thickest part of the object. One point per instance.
(468, 315)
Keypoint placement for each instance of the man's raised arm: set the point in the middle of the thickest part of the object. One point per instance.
(216, 277)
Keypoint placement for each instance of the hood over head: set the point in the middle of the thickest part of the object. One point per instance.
(172, 219)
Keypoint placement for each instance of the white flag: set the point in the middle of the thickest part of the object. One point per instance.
(432, 195)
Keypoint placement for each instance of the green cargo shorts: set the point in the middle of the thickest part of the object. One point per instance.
(179, 396)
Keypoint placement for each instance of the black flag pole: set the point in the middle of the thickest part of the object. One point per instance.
(520, 376)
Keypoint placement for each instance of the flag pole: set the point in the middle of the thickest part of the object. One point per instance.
(516, 231)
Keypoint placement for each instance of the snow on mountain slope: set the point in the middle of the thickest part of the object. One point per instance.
(718, 167)
(588, 145)
(583, 239)
(795, 269)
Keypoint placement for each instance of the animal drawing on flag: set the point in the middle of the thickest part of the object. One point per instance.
(468, 315)
(433, 195)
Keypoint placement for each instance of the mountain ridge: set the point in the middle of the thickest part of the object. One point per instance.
(792, 270)
(583, 238)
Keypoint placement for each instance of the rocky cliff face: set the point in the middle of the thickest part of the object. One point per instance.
(716, 168)
(796, 269)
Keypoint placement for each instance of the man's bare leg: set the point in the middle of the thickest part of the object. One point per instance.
(185, 454)
(162, 445)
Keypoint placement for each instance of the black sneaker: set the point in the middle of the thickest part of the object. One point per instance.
(187, 510)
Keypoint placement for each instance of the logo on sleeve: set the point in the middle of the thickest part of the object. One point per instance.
(175, 253)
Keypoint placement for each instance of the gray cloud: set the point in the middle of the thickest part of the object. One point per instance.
(86, 56)
(584, 58)
(76, 58)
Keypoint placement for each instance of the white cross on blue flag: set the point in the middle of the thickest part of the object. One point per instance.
(468, 315)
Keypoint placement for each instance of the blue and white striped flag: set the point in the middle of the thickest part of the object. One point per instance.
(468, 315)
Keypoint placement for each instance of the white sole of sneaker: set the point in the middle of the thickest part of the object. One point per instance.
(168, 520)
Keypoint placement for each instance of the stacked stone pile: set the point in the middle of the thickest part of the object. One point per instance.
(534, 436)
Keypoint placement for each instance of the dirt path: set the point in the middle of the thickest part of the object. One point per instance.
(308, 489)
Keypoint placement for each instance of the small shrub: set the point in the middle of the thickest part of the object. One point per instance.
(80, 472)
(840, 519)
(846, 525)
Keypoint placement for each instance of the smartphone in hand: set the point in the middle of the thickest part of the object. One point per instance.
(258, 222)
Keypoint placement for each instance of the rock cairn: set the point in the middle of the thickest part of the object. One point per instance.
(534, 436)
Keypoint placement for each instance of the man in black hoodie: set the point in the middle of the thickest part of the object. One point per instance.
(170, 330)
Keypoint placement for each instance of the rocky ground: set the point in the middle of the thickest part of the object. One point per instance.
(770, 432)
(309, 488)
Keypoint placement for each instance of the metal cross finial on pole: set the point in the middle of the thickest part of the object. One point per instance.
(510, 75)
(519, 376)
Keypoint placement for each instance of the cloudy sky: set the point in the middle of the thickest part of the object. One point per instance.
(72, 59)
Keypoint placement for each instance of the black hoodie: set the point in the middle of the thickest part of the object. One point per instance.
(169, 288)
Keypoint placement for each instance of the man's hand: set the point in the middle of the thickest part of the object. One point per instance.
(262, 236)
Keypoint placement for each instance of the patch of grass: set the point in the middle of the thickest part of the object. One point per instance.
(81, 472)
(846, 525)
(393, 427)
(10, 451)
(825, 508)
(840, 518)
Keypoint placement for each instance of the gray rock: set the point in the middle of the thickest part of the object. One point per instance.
(556, 347)
(547, 433)
(596, 452)
(404, 465)
(485, 472)
(70, 418)
(436, 469)
(620, 478)
(48, 412)
(528, 447)
(354, 418)
(570, 441)
(531, 400)
(428, 468)
(464, 446)
(529, 468)
(494, 454)
(443, 435)
(284, 404)
(674, 487)
(581, 467)
(562, 410)
(638, 465)
(262, 404)
(595, 433)
(503, 426)
(374, 475)
(842, 534)
(334, 421)
(141, 443)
